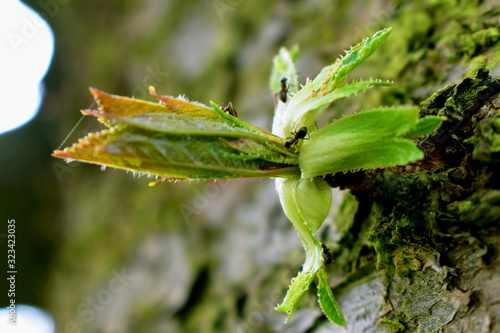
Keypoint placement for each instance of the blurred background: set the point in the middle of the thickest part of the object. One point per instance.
(103, 252)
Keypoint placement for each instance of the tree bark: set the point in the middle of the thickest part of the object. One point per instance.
(435, 233)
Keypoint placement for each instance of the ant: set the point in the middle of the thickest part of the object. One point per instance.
(300, 134)
(282, 94)
(229, 109)
(327, 255)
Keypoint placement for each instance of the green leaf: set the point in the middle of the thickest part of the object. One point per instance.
(357, 54)
(174, 115)
(366, 140)
(311, 101)
(284, 67)
(327, 301)
(179, 139)
(295, 293)
(306, 202)
(313, 106)
(425, 126)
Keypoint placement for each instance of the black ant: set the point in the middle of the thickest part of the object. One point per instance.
(229, 109)
(327, 255)
(300, 134)
(282, 94)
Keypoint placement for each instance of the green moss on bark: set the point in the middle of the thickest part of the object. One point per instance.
(433, 218)
(429, 213)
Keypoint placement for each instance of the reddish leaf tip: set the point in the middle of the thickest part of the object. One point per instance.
(60, 154)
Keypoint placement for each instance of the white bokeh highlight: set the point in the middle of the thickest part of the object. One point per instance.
(29, 319)
(26, 48)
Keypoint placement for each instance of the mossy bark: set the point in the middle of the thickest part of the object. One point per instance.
(435, 232)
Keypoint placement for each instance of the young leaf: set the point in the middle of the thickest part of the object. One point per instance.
(319, 100)
(357, 54)
(327, 301)
(311, 101)
(284, 67)
(179, 139)
(295, 293)
(424, 126)
(366, 140)
(306, 218)
(305, 200)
